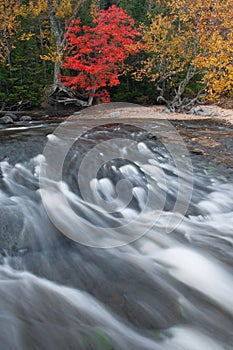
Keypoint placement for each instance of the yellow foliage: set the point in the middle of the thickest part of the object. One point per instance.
(10, 10)
(192, 33)
(26, 36)
(63, 9)
(41, 10)
(95, 5)
(50, 56)
(37, 7)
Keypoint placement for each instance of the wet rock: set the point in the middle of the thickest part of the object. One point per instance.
(152, 137)
(25, 118)
(13, 116)
(11, 225)
(6, 120)
(198, 151)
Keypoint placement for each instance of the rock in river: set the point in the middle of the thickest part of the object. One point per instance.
(25, 118)
(6, 120)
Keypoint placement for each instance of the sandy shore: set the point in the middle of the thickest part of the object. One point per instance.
(121, 110)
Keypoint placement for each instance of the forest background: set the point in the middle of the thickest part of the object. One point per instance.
(171, 52)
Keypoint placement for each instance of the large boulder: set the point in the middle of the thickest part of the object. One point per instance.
(6, 120)
(25, 118)
(13, 116)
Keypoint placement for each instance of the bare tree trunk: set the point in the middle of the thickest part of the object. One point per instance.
(91, 97)
(8, 52)
(60, 39)
(149, 6)
(42, 50)
(58, 35)
(62, 94)
(177, 102)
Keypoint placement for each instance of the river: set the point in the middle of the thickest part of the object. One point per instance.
(77, 276)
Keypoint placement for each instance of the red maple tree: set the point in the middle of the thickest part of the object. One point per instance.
(96, 53)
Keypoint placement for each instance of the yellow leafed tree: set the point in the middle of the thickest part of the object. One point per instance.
(190, 42)
(55, 13)
(10, 11)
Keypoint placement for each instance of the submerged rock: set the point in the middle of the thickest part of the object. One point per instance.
(11, 220)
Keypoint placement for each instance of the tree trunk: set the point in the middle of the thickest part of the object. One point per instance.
(177, 102)
(8, 52)
(58, 35)
(59, 94)
(42, 50)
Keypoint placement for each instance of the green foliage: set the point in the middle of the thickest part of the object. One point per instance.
(129, 90)
(27, 75)
(24, 83)
(135, 8)
(84, 13)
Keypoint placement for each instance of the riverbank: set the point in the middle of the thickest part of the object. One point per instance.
(122, 110)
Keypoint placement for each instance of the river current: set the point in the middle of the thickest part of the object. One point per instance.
(161, 282)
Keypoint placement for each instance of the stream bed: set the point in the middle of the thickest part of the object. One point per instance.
(77, 276)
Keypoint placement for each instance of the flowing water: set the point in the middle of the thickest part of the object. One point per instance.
(164, 290)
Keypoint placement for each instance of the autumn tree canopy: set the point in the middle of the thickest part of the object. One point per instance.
(10, 11)
(187, 52)
(97, 52)
(190, 41)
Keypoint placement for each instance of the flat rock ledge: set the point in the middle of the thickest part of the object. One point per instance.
(120, 110)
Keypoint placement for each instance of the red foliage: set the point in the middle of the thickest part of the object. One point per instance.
(97, 53)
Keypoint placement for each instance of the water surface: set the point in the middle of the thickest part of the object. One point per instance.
(162, 291)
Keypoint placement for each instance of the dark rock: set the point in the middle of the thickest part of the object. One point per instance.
(198, 151)
(152, 137)
(6, 120)
(13, 116)
(25, 118)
